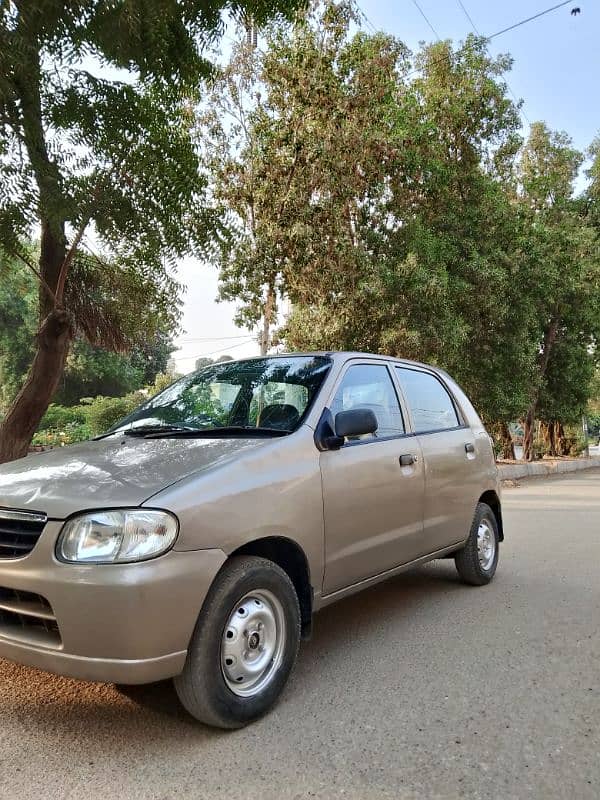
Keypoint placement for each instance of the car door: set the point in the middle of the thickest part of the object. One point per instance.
(372, 486)
(448, 447)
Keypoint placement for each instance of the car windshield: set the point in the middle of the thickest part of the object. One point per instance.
(259, 394)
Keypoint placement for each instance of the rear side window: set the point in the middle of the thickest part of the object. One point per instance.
(370, 386)
(430, 404)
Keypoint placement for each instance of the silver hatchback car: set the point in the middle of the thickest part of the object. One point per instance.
(196, 539)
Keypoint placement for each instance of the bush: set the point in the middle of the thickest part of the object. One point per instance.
(62, 425)
(104, 412)
(59, 417)
(162, 380)
(594, 425)
(576, 443)
(69, 434)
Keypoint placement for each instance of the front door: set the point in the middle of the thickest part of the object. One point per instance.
(373, 486)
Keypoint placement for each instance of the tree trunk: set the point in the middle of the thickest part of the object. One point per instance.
(53, 342)
(265, 337)
(528, 432)
(29, 406)
(552, 446)
(503, 436)
(55, 328)
(550, 336)
(561, 439)
(508, 446)
(547, 434)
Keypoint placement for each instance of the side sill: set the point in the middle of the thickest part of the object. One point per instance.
(327, 599)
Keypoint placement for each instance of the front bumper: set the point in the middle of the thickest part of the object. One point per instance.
(128, 623)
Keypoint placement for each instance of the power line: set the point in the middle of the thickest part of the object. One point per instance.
(529, 19)
(366, 19)
(468, 16)
(509, 87)
(213, 338)
(498, 33)
(435, 33)
(222, 350)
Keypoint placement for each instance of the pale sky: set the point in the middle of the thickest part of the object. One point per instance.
(205, 320)
(556, 71)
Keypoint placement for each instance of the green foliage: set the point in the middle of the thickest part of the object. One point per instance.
(161, 382)
(103, 412)
(69, 434)
(17, 325)
(389, 197)
(89, 371)
(95, 119)
(58, 417)
(61, 426)
(594, 425)
(203, 361)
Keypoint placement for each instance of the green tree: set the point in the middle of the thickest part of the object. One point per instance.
(203, 361)
(94, 135)
(89, 371)
(563, 283)
(375, 198)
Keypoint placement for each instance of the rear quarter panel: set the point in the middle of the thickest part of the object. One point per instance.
(489, 476)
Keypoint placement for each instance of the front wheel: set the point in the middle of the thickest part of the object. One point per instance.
(244, 645)
(477, 561)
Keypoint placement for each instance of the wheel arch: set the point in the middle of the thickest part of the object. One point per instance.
(491, 499)
(288, 555)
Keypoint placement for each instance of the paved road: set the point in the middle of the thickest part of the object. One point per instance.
(420, 688)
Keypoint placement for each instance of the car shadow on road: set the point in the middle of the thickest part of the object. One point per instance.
(353, 618)
(49, 701)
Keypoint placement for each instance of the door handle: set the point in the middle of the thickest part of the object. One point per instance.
(469, 447)
(407, 459)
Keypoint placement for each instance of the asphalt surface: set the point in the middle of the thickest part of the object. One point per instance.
(418, 688)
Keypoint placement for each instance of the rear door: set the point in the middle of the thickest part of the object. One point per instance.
(452, 470)
(372, 486)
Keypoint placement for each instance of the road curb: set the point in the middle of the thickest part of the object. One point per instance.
(512, 472)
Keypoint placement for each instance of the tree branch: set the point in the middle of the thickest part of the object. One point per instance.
(28, 263)
(64, 269)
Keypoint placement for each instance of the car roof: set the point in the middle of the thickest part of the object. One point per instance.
(344, 355)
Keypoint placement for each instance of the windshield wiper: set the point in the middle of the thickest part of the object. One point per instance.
(148, 430)
(210, 433)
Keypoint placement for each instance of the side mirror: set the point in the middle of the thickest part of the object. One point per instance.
(355, 422)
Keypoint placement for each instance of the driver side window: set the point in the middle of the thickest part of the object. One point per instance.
(370, 386)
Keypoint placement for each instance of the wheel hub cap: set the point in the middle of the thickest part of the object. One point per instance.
(486, 545)
(253, 642)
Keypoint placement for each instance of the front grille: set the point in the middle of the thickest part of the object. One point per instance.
(19, 532)
(28, 617)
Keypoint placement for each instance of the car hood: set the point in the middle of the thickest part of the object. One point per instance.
(114, 472)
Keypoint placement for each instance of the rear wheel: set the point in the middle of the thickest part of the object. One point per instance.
(244, 645)
(477, 561)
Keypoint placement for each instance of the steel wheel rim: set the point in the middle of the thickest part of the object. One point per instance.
(486, 544)
(253, 643)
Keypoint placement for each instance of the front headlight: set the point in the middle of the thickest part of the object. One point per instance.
(114, 537)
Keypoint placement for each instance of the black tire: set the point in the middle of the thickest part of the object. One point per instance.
(467, 560)
(202, 687)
